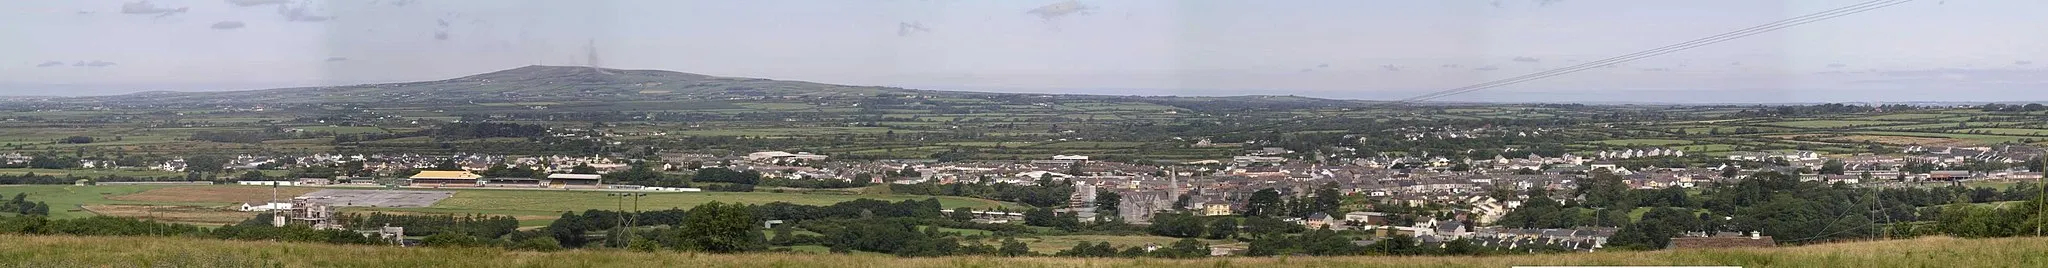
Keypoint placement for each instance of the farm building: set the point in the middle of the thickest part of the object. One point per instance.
(265, 206)
(575, 180)
(445, 178)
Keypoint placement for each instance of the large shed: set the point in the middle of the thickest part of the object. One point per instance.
(445, 178)
(575, 180)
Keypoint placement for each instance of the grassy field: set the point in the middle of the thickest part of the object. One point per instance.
(133, 173)
(67, 251)
(1829, 123)
(68, 201)
(1982, 139)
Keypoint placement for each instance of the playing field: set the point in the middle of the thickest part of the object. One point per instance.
(67, 201)
(214, 194)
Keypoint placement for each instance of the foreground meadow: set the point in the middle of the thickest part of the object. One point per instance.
(67, 251)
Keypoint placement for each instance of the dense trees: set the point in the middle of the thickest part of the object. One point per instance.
(21, 205)
(727, 176)
(1177, 225)
(1265, 202)
(720, 227)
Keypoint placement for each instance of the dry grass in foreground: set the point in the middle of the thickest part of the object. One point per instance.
(214, 194)
(65, 251)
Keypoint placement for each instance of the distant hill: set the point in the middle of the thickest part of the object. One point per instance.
(571, 83)
(70, 251)
(530, 83)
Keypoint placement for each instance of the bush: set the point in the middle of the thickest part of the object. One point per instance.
(453, 240)
(542, 244)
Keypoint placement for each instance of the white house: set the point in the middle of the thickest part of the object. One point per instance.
(266, 207)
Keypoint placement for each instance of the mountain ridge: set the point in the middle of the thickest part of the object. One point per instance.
(544, 83)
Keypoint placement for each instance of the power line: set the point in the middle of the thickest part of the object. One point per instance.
(1781, 24)
(1723, 37)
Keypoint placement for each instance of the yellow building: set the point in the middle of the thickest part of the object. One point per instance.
(445, 178)
(1215, 209)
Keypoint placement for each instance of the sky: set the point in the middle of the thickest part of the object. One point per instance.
(1927, 50)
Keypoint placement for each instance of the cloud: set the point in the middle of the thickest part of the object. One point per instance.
(226, 25)
(907, 28)
(2022, 62)
(50, 64)
(1450, 66)
(1058, 10)
(300, 13)
(250, 3)
(1735, 63)
(1322, 65)
(93, 64)
(1656, 69)
(442, 22)
(441, 35)
(335, 59)
(1486, 68)
(1527, 59)
(147, 8)
(1390, 68)
(1837, 65)
(1547, 2)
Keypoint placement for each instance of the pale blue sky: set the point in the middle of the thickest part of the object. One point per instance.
(1926, 50)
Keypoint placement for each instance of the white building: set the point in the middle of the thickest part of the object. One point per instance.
(266, 207)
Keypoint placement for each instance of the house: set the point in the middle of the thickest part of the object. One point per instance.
(446, 178)
(1216, 209)
(1366, 218)
(1318, 220)
(265, 206)
(1950, 175)
(575, 180)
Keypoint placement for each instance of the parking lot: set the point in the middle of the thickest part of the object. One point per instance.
(377, 198)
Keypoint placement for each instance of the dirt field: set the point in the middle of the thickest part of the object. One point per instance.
(214, 194)
(1902, 140)
(205, 216)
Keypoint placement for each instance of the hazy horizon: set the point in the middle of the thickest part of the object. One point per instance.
(1377, 50)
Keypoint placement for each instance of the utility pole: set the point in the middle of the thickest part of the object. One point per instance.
(621, 226)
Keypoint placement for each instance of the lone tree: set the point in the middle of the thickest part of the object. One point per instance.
(721, 228)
